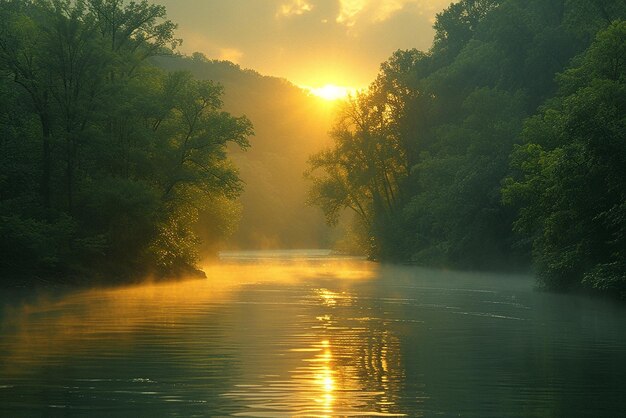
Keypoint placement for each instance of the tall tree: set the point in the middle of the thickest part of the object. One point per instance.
(569, 185)
(130, 154)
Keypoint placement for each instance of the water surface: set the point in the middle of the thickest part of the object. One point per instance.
(280, 334)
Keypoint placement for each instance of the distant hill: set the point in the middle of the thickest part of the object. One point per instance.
(289, 126)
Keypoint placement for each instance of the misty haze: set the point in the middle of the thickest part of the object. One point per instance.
(318, 208)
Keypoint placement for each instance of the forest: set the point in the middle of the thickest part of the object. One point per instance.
(501, 146)
(107, 162)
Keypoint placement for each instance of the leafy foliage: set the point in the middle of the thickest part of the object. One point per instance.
(570, 187)
(476, 181)
(108, 160)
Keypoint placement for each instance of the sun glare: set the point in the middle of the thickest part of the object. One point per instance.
(331, 92)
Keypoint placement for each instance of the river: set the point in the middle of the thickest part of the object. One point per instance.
(305, 333)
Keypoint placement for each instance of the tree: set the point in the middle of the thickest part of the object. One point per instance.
(456, 217)
(369, 161)
(444, 123)
(130, 154)
(569, 185)
(456, 25)
(20, 44)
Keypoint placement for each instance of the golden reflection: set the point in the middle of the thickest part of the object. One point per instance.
(320, 352)
(326, 381)
(328, 297)
(359, 374)
(345, 364)
(50, 326)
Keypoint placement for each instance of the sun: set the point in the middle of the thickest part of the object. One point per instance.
(331, 92)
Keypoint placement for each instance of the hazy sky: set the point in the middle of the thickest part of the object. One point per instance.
(309, 42)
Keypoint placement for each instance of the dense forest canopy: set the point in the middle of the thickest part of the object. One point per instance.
(501, 144)
(106, 161)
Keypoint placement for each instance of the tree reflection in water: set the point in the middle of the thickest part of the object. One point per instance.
(347, 364)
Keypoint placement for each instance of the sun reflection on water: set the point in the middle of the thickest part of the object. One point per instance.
(326, 358)
(344, 364)
(326, 381)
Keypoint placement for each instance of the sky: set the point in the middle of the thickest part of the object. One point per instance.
(309, 42)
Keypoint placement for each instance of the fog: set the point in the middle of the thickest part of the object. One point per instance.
(293, 333)
(289, 125)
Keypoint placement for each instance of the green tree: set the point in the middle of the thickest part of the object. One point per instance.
(456, 25)
(451, 117)
(569, 183)
(369, 161)
(456, 217)
(195, 165)
(130, 154)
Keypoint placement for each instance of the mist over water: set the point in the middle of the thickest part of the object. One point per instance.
(307, 333)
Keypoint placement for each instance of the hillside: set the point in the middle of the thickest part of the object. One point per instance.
(289, 126)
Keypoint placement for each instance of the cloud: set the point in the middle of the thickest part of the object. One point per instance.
(309, 42)
(349, 10)
(384, 9)
(371, 10)
(294, 7)
(362, 12)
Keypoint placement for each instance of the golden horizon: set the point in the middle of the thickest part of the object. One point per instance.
(330, 92)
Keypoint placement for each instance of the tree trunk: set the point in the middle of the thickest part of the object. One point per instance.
(70, 176)
(46, 161)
